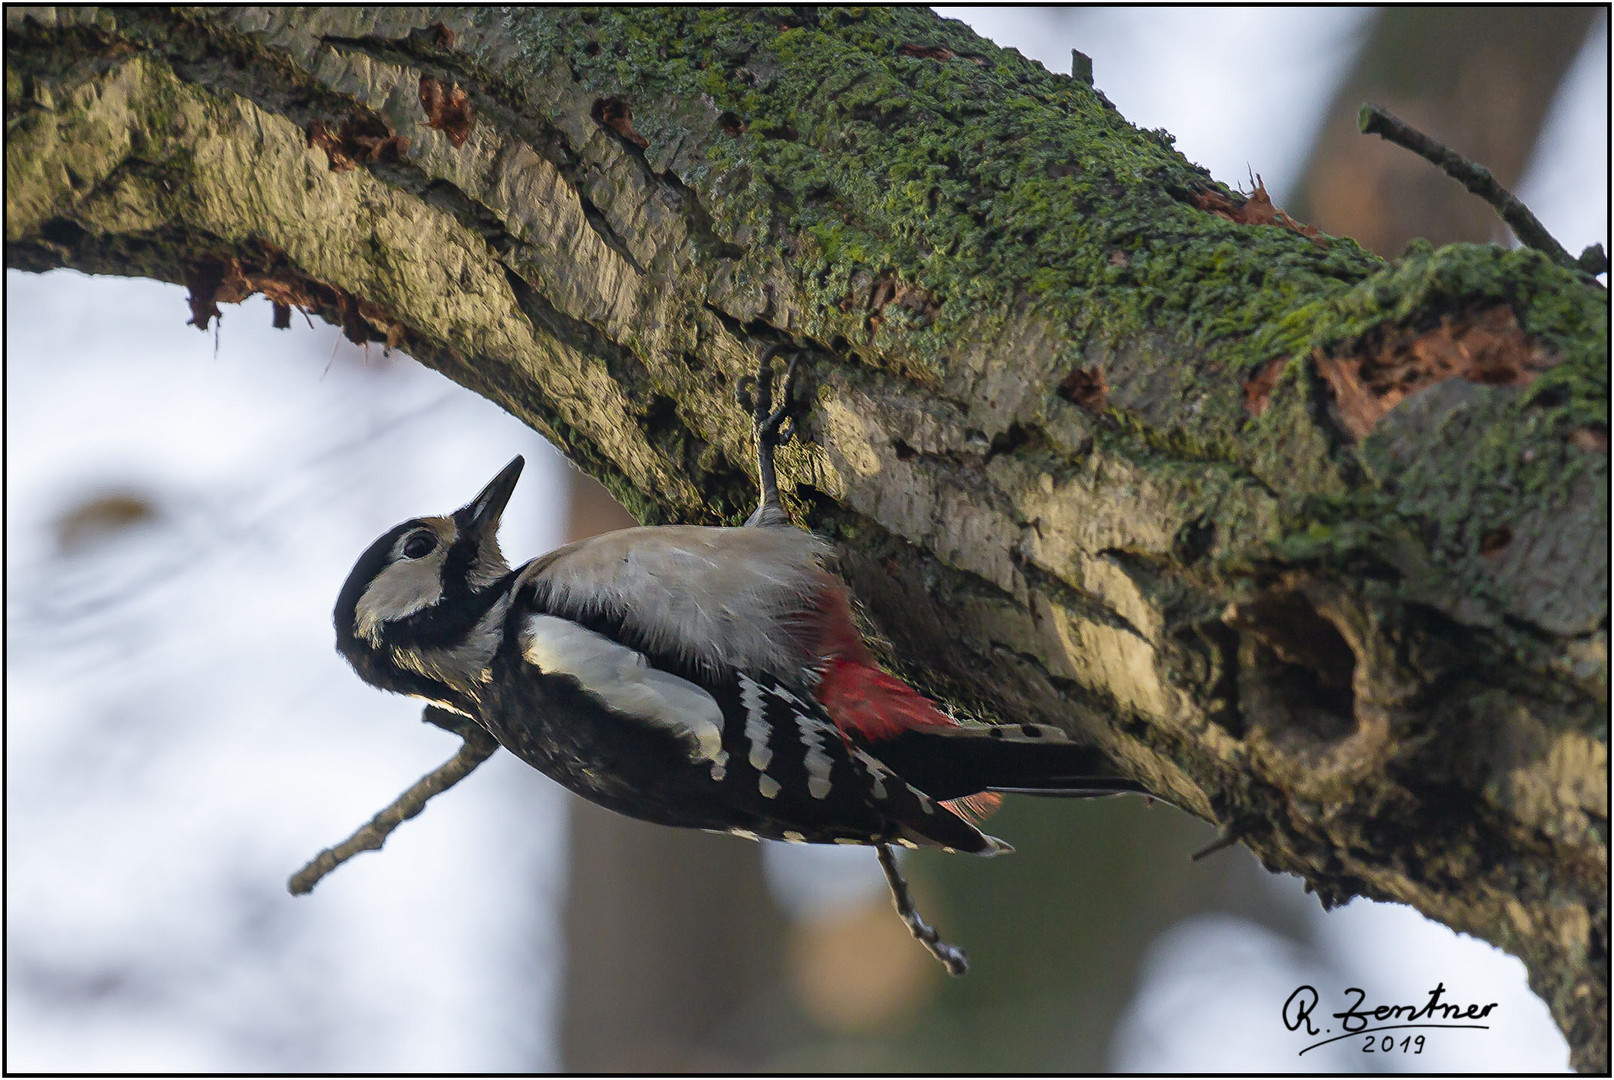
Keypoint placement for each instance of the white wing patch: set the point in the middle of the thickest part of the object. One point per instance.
(620, 677)
(877, 770)
(756, 724)
(818, 762)
(812, 732)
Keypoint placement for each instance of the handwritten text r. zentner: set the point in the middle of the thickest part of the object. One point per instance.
(1301, 1004)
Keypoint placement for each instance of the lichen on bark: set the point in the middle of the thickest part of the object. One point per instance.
(1074, 435)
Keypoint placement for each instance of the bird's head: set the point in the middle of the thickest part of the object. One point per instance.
(419, 613)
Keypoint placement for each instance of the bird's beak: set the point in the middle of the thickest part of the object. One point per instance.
(483, 512)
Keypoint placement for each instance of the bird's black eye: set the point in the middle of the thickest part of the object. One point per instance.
(419, 545)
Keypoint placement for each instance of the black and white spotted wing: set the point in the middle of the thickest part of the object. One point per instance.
(673, 745)
(788, 768)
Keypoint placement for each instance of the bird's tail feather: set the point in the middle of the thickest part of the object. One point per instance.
(959, 762)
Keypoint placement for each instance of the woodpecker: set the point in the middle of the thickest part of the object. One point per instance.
(706, 677)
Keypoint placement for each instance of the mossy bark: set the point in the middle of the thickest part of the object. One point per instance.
(1066, 427)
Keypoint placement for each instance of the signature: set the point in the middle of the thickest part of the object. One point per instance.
(1434, 1013)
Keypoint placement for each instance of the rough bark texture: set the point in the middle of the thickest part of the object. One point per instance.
(1315, 545)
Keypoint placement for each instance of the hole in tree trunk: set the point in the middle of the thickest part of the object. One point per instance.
(1297, 666)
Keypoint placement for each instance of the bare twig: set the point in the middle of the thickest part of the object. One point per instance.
(1226, 836)
(477, 748)
(951, 956)
(1376, 120)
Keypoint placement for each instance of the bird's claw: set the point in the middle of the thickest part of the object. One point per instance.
(755, 394)
(771, 427)
(744, 394)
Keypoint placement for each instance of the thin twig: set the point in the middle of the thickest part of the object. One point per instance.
(477, 748)
(951, 956)
(1226, 836)
(1376, 120)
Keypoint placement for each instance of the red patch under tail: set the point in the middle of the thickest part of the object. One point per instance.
(857, 695)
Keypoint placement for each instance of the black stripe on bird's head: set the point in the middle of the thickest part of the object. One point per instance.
(425, 582)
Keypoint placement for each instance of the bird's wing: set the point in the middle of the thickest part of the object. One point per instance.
(712, 599)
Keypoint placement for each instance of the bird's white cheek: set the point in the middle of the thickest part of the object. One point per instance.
(398, 591)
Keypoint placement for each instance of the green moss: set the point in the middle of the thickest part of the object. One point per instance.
(1459, 464)
(1426, 284)
(983, 182)
(1552, 306)
(1009, 193)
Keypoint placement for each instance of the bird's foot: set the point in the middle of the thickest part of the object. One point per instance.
(771, 426)
(951, 956)
(755, 394)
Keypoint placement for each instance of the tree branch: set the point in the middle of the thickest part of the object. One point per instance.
(1377, 120)
(477, 747)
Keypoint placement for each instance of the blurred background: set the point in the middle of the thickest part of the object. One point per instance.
(181, 509)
